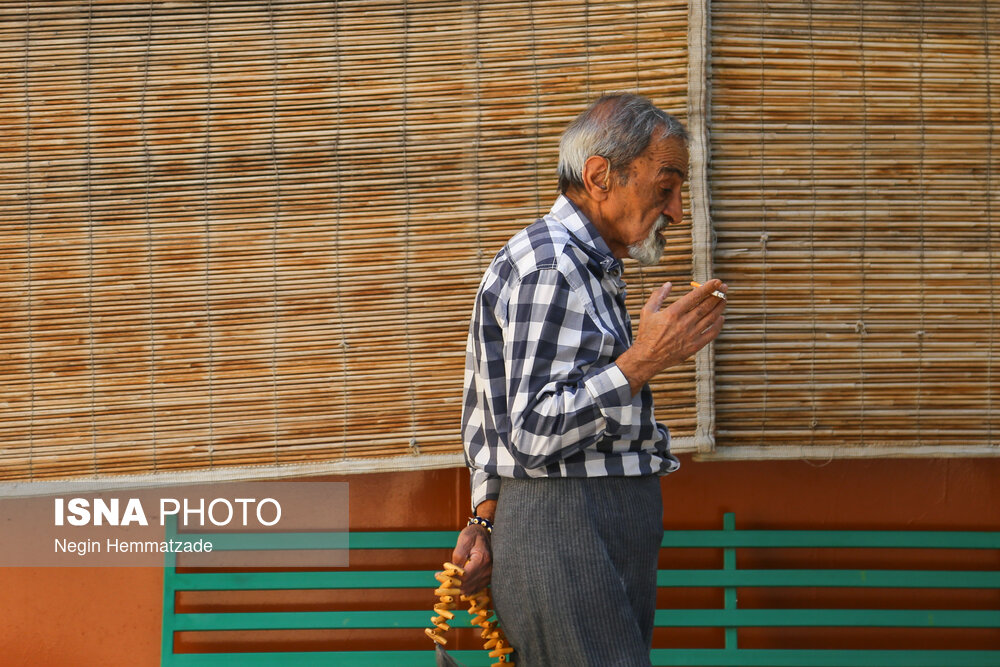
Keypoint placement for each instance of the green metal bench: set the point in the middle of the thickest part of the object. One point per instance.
(729, 617)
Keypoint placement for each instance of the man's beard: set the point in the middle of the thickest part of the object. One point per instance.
(650, 250)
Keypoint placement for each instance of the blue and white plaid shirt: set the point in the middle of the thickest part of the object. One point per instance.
(543, 395)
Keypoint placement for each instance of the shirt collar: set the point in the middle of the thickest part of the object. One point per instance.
(573, 219)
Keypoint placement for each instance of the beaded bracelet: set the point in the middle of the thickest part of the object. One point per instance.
(480, 521)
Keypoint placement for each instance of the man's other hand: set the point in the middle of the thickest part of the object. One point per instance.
(473, 554)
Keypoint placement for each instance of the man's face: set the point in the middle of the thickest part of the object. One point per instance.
(649, 200)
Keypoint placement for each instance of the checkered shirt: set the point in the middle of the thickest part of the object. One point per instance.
(543, 395)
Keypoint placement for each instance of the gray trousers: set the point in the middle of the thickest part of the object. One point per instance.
(574, 569)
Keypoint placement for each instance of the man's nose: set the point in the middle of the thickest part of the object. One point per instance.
(674, 210)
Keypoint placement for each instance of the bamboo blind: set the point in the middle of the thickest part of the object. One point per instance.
(855, 179)
(248, 235)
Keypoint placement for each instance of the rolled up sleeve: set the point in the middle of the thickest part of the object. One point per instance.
(484, 487)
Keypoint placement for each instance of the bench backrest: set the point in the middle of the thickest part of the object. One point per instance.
(728, 616)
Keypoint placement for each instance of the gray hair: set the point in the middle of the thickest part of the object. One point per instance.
(617, 127)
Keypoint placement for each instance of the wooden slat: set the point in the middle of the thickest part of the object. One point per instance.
(677, 618)
(347, 620)
(869, 539)
(325, 658)
(827, 618)
(824, 658)
(783, 578)
(828, 578)
(264, 581)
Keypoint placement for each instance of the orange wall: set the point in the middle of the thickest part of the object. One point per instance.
(111, 616)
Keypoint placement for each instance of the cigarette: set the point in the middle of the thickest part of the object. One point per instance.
(715, 293)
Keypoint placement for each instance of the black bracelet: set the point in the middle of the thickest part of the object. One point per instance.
(480, 521)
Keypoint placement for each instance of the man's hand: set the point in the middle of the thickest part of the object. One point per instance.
(670, 335)
(473, 553)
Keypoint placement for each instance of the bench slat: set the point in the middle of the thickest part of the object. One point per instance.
(882, 618)
(424, 658)
(328, 540)
(312, 620)
(272, 541)
(824, 658)
(262, 581)
(430, 539)
(829, 578)
(854, 618)
(227, 581)
(872, 539)
(660, 658)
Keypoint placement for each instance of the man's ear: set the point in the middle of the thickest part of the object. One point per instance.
(597, 177)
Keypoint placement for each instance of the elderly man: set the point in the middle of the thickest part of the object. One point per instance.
(564, 450)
